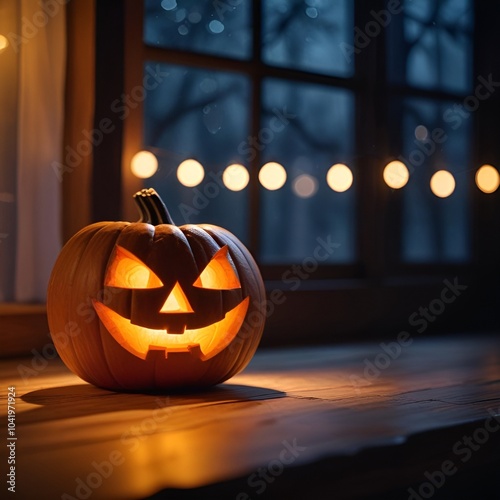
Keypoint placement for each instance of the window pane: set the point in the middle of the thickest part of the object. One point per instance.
(435, 229)
(221, 28)
(202, 115)
(309, 35)
(306, 128)
(436, 52)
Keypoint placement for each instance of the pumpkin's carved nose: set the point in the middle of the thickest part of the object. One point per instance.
(176, 302)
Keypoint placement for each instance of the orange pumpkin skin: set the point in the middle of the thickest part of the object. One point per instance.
(122, 336)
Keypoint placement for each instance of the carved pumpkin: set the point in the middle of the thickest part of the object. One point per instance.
(149, 305)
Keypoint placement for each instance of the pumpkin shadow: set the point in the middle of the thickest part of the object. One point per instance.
(85, 400)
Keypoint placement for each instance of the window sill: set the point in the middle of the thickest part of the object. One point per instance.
(24, 328)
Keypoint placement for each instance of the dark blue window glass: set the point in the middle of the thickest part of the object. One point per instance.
(436, 49)
(203, 115)
(309, 35)
(308, 129)
(435, 229)
(220, 27)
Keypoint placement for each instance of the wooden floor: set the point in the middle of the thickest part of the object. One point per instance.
(297, 423)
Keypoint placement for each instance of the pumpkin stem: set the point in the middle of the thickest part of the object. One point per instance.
(142, 207)
(151, 207)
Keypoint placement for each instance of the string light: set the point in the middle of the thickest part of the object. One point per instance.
(190, 173)
(144, 164)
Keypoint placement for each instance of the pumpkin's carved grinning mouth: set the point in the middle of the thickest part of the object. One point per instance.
(203, 343)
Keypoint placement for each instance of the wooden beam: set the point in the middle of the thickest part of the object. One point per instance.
(79, 115)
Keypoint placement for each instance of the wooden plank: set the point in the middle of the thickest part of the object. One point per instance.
(23, 327)
(300, 399)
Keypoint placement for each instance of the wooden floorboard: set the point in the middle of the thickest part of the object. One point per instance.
(362, 434)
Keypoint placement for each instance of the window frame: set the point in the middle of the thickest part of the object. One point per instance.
(385, 294)
(378, 272)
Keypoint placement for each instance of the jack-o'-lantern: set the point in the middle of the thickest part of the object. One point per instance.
(149, 305)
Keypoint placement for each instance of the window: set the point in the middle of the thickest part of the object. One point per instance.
(271, 84)
(309, 84)
(429, 76)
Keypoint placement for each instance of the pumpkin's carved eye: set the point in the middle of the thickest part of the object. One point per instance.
(219, 273)
(127, 271)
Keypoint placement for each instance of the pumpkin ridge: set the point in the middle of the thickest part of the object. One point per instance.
(190, 231)
(100, 345)
(54, 283)
(217, 232)
(58, 314)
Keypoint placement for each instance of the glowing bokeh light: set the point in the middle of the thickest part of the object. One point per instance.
(396, 174)
(487, 179)
(235, 177)
(272, 176)
(190, 173)
(4, 43)
(305, 186)
(339, 177)
(144, 164)
(421, 133)
(442, 183)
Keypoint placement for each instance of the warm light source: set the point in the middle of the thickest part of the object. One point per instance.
(442, 183)
(4, 43)
(190, 172)
(176, 298)
(487, 179)
(144, 164)
(235, 177)
(396, 174)
(176, 302)
(272, 176)
(305, 186)
(339, 177)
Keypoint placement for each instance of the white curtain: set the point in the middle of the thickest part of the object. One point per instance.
(41, 63)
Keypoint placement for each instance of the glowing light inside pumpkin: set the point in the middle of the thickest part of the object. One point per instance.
(128, 271)
(272, 176)
(144, 164)
(203, 343)
(176, 302)
(4, 43)
(190, 173)
(235, 177)
(442, 184)
(487, 179)
(396, 174)
(339, 177)
(218, 273)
